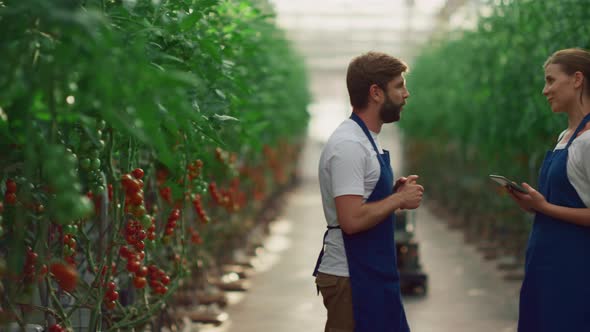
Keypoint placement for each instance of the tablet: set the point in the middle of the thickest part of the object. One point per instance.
(503, 181)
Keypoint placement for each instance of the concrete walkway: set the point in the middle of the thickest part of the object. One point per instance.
(466, 293)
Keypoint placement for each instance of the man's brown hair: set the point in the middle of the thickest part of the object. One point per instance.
(368, 69)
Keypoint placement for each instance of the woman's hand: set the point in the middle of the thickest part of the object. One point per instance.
(531, 202)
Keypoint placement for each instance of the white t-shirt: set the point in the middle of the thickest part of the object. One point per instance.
(578, 164)
(348, 166)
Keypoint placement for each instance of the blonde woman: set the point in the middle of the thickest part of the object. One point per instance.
(555, 294)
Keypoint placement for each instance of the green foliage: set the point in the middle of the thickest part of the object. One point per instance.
(150, 69)
(484, 88)
(91, 89)
(477, 102)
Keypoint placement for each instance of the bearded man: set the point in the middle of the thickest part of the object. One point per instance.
(356, 271)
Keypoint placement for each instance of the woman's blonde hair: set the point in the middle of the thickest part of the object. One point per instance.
(572, 60)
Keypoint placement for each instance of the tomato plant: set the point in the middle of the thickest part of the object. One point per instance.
(477, 109)
(114, 119)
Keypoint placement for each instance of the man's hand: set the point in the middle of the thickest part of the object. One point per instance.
(411, 179)
(410, 195)
(356, 215)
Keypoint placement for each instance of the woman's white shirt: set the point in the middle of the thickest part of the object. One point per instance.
(578, 164)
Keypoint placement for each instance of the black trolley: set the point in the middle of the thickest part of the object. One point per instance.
(413, 280)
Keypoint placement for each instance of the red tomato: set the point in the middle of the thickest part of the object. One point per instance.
(174, 215)
(111, 305)
(142, 272)
(155, 284)
(136, 198)
(139, 245)
(133, 266)
(165, 280)
(10, 198)
(65, 275)
(124, 252)
(138, 173)
(56, 328)
(10, 186)
(43, 270)
(32, 256)
(126, 180)
(139, 282)
(112, 296)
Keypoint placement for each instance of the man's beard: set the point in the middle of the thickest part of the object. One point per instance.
(390, 111)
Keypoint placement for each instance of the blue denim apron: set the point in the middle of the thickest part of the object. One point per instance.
(371, 256)
(555, 293)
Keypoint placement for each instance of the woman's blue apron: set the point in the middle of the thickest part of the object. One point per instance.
(371, 256)
(555, 294)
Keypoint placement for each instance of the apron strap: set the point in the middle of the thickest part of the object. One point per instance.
(317, 264)
(382, 158)
(354, 117)
(582, 124)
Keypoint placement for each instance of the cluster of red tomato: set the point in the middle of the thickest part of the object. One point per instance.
(10, 194)
(135, 236)
(133, 185)
(256, 175)
(165, 191)
(215, 193)
(194, 169)
(172, 220)
(235, 197)
(134, 232)
(195, 236)
(70, 249)
(111, 296)
(151, 231)
(31, 266)
(232, 199)
(159, 280)
(134, 266)
(134, 254)
(198, 205)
